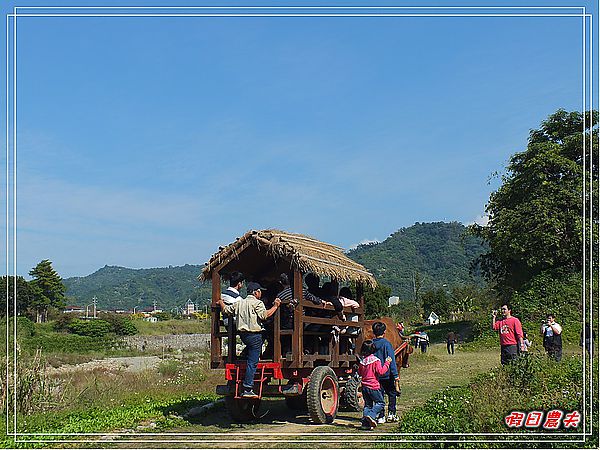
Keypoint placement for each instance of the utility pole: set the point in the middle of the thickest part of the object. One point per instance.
(94, 301)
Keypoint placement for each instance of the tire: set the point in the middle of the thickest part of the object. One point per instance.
(322, 395)
(352, 399)
(297, 402)
(242, 409)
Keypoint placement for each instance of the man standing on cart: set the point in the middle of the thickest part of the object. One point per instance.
(248, 313)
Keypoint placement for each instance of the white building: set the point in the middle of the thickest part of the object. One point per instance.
(433, 319)
(393, 300)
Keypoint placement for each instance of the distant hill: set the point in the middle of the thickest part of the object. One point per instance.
(123, 288)
(441, 253)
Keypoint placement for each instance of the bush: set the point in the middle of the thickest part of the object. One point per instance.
(530, 383)
(91, 328)
(548, 292)
(68, 343)
(120, 325)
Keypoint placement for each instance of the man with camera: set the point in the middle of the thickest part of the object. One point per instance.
(511, 334)
(552, 333)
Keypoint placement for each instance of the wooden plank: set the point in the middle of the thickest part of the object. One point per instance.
(347, 309)
(215, 313)
(297, 349)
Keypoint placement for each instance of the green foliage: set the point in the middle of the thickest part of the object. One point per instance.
(123, 288)
(535, 216)
(120, 325)
(131, 413)
(47, 289)
(169, 367)
(376, 301)
(66, 343)
(163, 316)
(91, 328)
(429, 254)
(550, 292)
(530, 383)
(24, 295)
(437, 301)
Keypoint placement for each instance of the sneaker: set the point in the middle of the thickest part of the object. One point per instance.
(370, 421)
(393, 417)
(249, 394)
(381, 420)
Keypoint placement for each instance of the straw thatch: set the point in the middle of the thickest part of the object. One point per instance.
(303, 252)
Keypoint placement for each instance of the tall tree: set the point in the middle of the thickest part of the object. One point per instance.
(535, 217)
(24, 295)
(376, 301)
(48, 289)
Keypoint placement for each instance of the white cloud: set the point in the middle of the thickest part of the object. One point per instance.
(482, 220)
(364, 242)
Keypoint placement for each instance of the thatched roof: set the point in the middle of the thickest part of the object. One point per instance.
(303, 253)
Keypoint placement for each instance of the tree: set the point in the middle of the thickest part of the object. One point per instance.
(376, 301)
(536, 221)
(437, 301)
(24, 295)
(48, 289)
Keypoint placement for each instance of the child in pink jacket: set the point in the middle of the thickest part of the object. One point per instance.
(370, 368)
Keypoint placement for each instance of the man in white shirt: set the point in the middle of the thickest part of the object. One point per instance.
(552, 333)
(249, 314)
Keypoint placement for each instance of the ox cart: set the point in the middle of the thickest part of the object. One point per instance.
(310, 364)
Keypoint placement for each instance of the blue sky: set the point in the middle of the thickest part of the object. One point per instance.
(147, 142)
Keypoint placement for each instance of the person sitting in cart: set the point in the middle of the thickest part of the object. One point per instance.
(287, 294)
(248, 313)
(328, 292)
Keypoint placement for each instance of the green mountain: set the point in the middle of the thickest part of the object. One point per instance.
(429, 254)
(432, 253)
(122, 288)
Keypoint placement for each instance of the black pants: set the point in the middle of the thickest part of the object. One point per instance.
(508, 353)
(450, 347)
(388, 387)
(555, 352)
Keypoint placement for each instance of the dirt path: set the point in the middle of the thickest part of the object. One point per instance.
(282, 427)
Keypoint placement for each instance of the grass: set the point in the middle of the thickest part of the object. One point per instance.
(173, 326)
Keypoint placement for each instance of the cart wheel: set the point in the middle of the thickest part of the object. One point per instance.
(242, 409)
(322, 395)
(297, 402)
(352, 398)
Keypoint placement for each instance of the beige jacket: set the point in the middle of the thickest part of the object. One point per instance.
(248, 313)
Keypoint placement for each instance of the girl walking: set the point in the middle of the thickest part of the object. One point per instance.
(370, 368)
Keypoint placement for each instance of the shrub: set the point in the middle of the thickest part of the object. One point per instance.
(120, 325)
(91, 328)
(169, 368)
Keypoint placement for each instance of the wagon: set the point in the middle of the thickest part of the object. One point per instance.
(310, 366)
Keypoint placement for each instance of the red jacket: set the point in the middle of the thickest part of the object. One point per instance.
(370, 368)
(510, 330)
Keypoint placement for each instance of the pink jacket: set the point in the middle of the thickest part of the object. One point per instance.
(370, 368)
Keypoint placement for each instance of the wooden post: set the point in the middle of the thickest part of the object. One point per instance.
(297, 350)
(360, 296)
(215, 317)
(277, 336)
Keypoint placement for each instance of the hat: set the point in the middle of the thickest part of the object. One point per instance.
(254, 286)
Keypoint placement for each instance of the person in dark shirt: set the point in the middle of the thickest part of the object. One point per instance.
(450, 341)
(384, 350)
